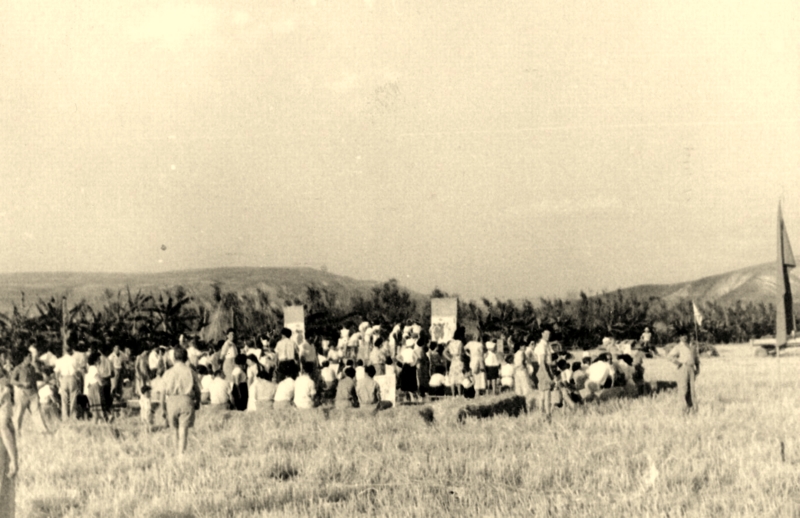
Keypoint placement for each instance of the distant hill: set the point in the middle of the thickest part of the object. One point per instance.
(754, 283)
(278, 282)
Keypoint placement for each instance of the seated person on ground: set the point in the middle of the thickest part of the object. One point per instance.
(346, 390)
(284, 392)
(368, 391)
(578, 376)
(304, 388)
(436, 383)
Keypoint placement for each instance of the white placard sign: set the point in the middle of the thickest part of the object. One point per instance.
(444, 318)
(294, 319)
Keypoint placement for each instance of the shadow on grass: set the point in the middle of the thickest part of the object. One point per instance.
(53, 507)
(511, 406)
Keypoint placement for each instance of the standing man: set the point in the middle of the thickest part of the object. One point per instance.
(687, 360)
(142, 371)
(228, 353)
(543, 356)
(117, 363)
(180, 395)
(286, 350)
(193, 352)
(26, 394)
(68, 386)
(105, 373)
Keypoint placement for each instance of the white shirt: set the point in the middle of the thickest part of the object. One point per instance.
(408, 357)
(91, 378)
(285, 390)
(598, 372)
(205, 383)
(153, 360)
(65, 366)
(437, 380)
(218, 391)
(327, 375)
(388, 385)
(507, 375)
(543, 352)
(304, 392)
(45, 394)
(194, 355)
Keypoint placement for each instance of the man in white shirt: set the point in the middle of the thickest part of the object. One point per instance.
(304, 388)
(68, 385)
(219, 392)
(543, 356)
(286, 351)
(599, 373)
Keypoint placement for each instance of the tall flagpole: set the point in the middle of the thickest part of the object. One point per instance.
(784, 321)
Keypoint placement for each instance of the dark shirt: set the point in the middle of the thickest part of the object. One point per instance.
(368, 391)
(346, 390)
(24, 375)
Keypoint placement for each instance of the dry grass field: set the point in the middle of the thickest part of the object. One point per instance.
(638, 457)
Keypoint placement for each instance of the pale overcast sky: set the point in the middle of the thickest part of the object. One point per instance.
(510, 149)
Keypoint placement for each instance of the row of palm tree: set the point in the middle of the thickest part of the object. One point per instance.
(138, 320)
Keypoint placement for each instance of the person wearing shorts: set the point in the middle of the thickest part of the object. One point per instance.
(180, 396)
(26, 394)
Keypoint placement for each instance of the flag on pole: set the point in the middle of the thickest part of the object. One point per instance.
(784, 322)
(698, 317)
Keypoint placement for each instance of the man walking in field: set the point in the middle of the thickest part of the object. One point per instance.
(180, 395)
(688, 362)
(26, 395)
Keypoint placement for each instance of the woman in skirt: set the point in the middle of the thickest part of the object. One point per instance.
(238, 377)
(408, 374)
(453, 353)
(91, 387)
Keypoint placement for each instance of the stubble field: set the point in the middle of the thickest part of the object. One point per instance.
(638, 457)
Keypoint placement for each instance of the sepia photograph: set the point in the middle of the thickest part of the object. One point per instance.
(399, 258)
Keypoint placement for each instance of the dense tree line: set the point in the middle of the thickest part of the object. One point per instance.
(136, 320)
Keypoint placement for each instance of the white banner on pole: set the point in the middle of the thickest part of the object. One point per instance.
(444, 319)
(294, 319)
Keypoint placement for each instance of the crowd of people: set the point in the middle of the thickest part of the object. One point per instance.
(362, 368)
